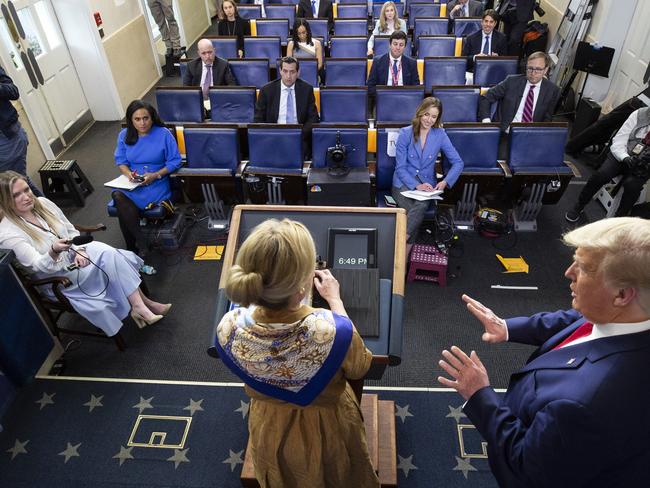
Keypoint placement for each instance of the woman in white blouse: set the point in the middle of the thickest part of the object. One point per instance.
(387, 23)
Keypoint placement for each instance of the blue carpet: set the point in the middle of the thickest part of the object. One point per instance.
(100, 434)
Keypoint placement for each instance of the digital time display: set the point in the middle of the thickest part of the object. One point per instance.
(352, 248)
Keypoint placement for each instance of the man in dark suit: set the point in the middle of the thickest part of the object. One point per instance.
(288, 100)
(208, 70)
(515, 19)
(486, 42)
(306, 9)
(464, 8)
(576, 415)
(393, 68)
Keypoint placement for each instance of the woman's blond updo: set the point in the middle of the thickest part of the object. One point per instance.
(275, 262)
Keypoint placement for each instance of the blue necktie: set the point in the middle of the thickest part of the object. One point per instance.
(395, 74)
(313, 8)
(486, 45)
(291, 109)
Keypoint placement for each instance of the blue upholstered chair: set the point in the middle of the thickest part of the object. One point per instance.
(348, 46)
(225, 47)
(272, 28)
(350, 27)
(352, 11)
(232, 104)
(180, 104)
(320, 29)
(429, 46)
(418, 10)
(308, 71)
(491, 70)
(277, 11)
(263, 47)
(286, 2)
(398, 103)
(211, 147)
(250, 11)
(430, 26)
(463, 27)
(353, 136)
(346, 72)
(444, 71)
(460, 103)
(250, 72)
(382, 46)
(343, 104)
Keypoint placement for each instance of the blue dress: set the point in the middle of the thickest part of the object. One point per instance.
(150, 153)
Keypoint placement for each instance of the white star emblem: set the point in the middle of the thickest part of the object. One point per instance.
(143, 404)
(571, 361)
(405, 464)
(402, 412)
(234, 459)
(456, 413)
(46, 399)
(19, 448)
(70, 452)
(124, 454)
(94, 402)
(464, 466)
(243, 408)
(194, 406)
(179, 457)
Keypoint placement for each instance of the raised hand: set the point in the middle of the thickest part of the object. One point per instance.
(468, 372)
(495, 327)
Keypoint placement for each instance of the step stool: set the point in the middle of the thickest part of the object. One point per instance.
(64, 180)
(428, 259)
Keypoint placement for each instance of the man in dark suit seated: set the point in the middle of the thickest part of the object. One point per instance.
(288, 100)
(208, 70)
(464, 8)
(576, 415)
(486, 42)
(322, 9)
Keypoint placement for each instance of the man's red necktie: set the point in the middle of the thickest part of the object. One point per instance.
(583, 331)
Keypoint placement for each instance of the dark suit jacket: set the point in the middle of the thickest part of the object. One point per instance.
(475, 8)
(267, 107)
(509, 93)
(325, 11)
(573, 417)
(221, 74)
(472, 46)
(379, 72)
(524, 11)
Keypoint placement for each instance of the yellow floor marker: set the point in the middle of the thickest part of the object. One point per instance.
(513, 265)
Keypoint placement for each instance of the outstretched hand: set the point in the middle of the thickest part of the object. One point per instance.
(495, 327)
(468, 373)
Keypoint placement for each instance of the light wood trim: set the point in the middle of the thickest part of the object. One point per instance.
(372, 140)
(443, 10)
(399, 260)
(387, 444)
(369, 404)
(574, 168)
(253, 25)
(459, 46)
(231, 245)
(420, 64)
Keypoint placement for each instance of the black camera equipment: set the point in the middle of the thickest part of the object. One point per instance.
(336, 158)
(540, 11)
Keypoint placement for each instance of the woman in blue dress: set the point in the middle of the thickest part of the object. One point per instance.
(416, 151)
(146, 151)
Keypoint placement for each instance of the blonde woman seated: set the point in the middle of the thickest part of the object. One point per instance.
(304, 422)
(105, 280)
(302, 45)
(387, 23)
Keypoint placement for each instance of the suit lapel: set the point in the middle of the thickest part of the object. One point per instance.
(275, 105)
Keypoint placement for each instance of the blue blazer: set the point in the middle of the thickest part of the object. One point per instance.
(573, 417)
(415, 165)
(379, 72)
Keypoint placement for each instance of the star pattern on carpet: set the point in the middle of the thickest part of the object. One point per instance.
(180, 456)
(46, 399)
(456, 413)
(70, 452)
(124, 454)
(194, 406)
(143, 404)
(234, 459)
(243, 408)
(19, 448)
(402, 412)
(405, 464)
(94, 402)
(464, 466)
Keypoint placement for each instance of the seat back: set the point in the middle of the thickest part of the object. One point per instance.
(250, 72)
(348, 46)
(212, 148)
(417, 10)
(225, 47)
(430, 26)
(273, 28)
(263, 47)
(444, 71)
(429, 46)
(477, 146)
(320, 28)
(460, 103)
(352, 11)
(376, 10)
(308, 70)
(465, 26)
(489, 70)
(180, 104)
(347, 105)
(353, 137)
(398, 103)
(350, 27)
(382, 44)
(537, 146)
(250, 11)
(287, 2)
(385, 163)
(275, 147)
(232, 104)
(278, 11)
(346, 72)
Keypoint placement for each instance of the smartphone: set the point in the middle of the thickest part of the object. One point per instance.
(72, 267)
(138, 178)
(390, 201)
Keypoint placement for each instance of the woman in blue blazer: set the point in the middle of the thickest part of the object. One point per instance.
(416, 151)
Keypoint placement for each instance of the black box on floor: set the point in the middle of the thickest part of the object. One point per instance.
(351, 190)
(169, 234)
(587, 112)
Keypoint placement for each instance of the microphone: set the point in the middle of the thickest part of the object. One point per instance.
(81, 240)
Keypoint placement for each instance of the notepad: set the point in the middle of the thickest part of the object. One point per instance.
(206, 253)
(123, 183)
(423, 195)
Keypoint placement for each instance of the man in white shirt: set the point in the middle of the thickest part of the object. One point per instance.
(393, 68)
(486, 42)
(576, 415)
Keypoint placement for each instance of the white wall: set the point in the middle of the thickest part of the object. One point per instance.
(115, 13)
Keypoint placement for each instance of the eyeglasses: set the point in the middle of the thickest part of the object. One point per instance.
(534, 70)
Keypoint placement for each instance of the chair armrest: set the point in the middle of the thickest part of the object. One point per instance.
(574, 169)
(89, 229)
(505, 168)
(57, 283)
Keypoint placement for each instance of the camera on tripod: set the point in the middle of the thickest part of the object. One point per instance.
(336, 156)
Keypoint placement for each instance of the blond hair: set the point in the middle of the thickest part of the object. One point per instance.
(274, 262)
(427, 104)
(383, 24)
(624, 243)
(8, 208)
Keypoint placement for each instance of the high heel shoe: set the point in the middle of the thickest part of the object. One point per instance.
(166, 309)
(141, 322)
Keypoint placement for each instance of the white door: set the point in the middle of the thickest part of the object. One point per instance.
(40, 65)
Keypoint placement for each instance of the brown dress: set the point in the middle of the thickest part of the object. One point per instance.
(320, 445)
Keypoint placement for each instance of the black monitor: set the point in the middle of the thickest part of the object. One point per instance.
(593, 59)
(352, 248)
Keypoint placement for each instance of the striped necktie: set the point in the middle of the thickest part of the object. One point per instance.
(528, 106)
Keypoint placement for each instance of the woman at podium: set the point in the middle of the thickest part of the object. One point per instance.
(305, 421)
